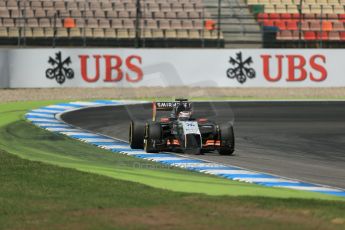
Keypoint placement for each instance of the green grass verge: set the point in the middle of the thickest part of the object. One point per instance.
(36, 195)
(19, 137)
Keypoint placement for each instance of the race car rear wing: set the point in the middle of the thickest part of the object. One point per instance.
(168, 106)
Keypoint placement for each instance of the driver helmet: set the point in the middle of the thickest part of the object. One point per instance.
(185, 115)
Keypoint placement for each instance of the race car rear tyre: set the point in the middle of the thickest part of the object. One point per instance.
(136, 135)
(153, 135)
(227, 138)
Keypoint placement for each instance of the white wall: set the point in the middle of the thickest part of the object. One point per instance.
(26, 68)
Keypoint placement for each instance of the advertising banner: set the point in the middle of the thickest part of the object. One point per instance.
(39, 68)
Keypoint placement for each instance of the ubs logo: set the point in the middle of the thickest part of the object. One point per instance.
(59, 68)
(241, 69)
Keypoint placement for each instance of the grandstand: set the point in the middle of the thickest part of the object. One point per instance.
(110, 22)
(171, 23)
(308, 21)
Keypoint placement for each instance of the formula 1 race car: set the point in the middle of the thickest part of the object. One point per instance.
(180, 131)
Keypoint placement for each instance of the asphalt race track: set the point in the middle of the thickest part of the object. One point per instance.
(301, 140)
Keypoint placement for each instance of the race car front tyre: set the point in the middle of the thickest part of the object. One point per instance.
(136, 135)
(153, 134)
(226, 151)
(227, 138)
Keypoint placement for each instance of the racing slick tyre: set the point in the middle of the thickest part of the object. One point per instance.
(136, 135)
(227, 138)
(153, 134)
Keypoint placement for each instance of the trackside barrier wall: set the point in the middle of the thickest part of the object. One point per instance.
(51, 68)
(4, 66)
